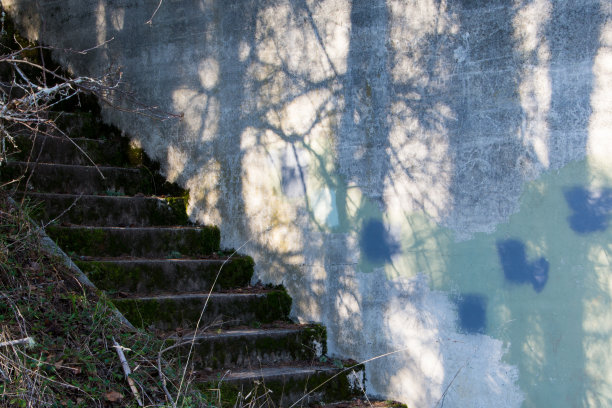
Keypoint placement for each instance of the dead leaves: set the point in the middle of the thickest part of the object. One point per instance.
(113, 396)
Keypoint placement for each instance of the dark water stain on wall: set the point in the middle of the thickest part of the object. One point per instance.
(472, 312)
(591, 209)
(517, 269)
(376, 243)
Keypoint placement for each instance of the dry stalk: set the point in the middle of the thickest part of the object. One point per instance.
(127, 371)
(27, 340)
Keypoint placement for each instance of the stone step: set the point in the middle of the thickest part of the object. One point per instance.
(140, 242)
(74, 179)
(283, 386)
(146, 276)
(120, 211)
(77, 151)
(168, 312)
(249, 348)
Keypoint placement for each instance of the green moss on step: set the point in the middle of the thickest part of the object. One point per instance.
(315, 335)
(156, 277)
(111, 276)
(173, 312)
(159, 242)
(179, 209)
(135, 156)
(276, 306)
(236, 273)
(145, 313)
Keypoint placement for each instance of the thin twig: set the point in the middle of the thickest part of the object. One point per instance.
(150, 21)
(76, 200)
(28, 340)
(127, 371)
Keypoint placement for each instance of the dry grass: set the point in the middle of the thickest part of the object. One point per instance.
(72, 362)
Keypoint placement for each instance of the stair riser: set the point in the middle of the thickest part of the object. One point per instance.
(154, 276)
(49, 149)
(252, 351)
(48, 178)
(287, 390)
(135, 242)
(221, 311)
(110, 211)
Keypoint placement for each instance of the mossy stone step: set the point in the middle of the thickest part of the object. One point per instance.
(61, 150)
(168, 312)
(74, 179)
(248, 348)
(286, 385)
(140, 242)
(96, 210)
(145, 276)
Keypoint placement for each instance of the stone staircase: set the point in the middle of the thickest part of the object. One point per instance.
(129, 232)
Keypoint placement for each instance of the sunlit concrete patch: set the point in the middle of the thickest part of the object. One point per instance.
(423, 358)
(535, 89)
(201, 113)
(209, 73)
(298, 115)
(263, 198)
(205, 192)
(303, 39)
(176, 163)
(599, 143)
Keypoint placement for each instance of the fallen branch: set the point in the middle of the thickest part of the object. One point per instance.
(27, 340)
(127, 371)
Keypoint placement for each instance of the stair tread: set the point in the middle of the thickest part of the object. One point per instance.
(69, 140)
(136, 260)
(146, 228)
(75, 166)
(75, 139)
(249, 374)
(97, 196)
(202, 295)
(241, 332)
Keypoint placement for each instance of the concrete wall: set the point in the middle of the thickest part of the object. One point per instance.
(428, 178)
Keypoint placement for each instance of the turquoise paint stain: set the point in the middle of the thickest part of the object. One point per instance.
(559, 337)
(333, 218)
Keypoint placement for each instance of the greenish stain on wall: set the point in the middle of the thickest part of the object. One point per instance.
(555, 336)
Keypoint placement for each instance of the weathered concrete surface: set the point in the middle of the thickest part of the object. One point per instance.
(424, 176)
